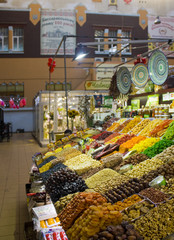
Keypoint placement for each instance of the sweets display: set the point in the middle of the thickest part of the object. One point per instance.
(121, 126)
(166, 170)
(169, 134)
(135, 186)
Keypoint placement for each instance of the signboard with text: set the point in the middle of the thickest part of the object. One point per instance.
(164, 30)
(54, 25)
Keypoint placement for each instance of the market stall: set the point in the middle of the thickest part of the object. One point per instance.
(116, 183)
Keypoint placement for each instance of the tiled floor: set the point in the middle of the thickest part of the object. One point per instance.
(15, 163)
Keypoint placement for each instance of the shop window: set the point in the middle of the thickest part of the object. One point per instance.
(4, 39)
(126, 35)
(11, 39)
(18, 39)
(112, 34)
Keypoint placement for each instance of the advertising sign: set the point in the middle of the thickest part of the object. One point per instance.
(54, 25)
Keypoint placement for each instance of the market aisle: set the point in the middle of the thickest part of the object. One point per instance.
(15, 163)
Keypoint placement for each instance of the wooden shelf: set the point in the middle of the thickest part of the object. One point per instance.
(161, 91)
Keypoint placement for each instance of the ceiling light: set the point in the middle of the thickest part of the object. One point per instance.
(157, 20)
(80, 52)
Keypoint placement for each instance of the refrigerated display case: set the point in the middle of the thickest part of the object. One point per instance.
(50, 113)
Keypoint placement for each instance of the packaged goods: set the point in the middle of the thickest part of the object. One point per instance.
(158, 148)
(123, 231)
(77, 206)
(146, 131)
(64, 182)
(140, 126)
(158, 222)
(144, 167)
(82, 163)
(126, 189)
(131, 125)
(89, 223)
(141, 146)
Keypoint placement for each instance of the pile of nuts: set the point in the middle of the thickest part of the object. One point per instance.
(144, 167)
(134, 159)
(166, 170)
(167, 154)
(137, 210)
(169, 188)
(154, 195)
(158, 222)
(104, 180)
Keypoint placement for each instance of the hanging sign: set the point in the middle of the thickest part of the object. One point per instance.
(168, 96)
(164, 30)
(98, 85)
(54, 25)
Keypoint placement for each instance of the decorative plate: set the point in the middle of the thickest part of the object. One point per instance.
(123, 80)
(158, 67)
(140, 75)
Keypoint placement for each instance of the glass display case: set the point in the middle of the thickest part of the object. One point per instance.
(50, 113)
